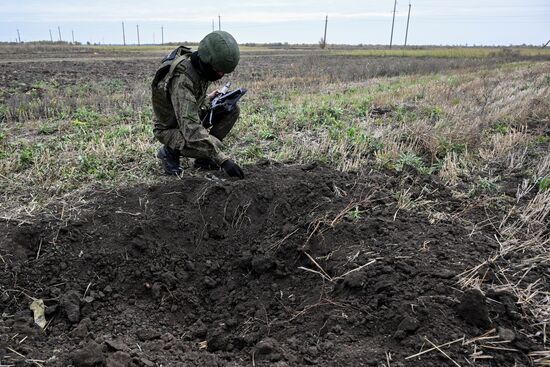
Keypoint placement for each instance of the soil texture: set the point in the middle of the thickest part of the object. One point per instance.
(292, 266)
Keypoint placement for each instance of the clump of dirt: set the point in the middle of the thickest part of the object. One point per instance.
(295, 265)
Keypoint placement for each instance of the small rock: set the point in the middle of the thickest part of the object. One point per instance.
(409, 324)
(199, 330)
(506, 334)
(82, 329)
(70, 302)
(89, 356)
(116, 345)
(400, 335)
(217, 340)
(146, 362)
(167, 337)
(355, 280)
(267, 345)
(147, 334)
(209, 282)
(313, 352)
(473, 308)
(118, 359)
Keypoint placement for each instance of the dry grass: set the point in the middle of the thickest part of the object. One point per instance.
(472, 122)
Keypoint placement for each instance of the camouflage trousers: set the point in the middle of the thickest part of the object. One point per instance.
(174, 139)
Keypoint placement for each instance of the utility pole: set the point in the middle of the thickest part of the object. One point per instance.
(59, 31)
(162, 35)
(546, 44)
(219, 22)
(393, 22)
(18, 36)
(325, 36)
(51, 37)
(408, 18)
(154, 40)
(123, 35)
(72, 33)
(137, 27)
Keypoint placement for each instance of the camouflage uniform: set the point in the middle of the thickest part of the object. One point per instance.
(180, 102)
(178, 112)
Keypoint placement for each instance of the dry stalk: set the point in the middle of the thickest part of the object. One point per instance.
(321, 225)
(278, 244)
(442, 352)
(434, 348)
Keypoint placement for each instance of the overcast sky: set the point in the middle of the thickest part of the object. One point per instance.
(436, 22)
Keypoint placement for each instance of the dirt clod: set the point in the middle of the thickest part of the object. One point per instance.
(409, 324)
(267, 345)
(116, 345)
(118, 359)
(473, 308)
(147, 334)
(82, 329)
(91, 355)
(70, 302)
(355, 280)
(199, 330)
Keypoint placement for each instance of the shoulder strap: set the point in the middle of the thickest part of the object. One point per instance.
(168, 66)
(173, 66)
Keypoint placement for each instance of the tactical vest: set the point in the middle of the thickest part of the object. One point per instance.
(168, 66)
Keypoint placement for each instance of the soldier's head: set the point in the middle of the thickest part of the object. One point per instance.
(219, 52)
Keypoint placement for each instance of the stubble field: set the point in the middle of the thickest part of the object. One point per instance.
(395, 212)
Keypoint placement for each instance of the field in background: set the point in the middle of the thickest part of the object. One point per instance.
(64, 50)
(476, 120)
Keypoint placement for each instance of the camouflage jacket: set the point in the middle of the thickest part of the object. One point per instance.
(178, 105)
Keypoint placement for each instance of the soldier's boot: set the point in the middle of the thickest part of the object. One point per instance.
(170, 160)
(206, 164)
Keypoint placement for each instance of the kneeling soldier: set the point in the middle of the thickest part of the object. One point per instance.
(180, 102)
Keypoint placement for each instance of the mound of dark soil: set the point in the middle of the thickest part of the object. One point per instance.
(291, 266)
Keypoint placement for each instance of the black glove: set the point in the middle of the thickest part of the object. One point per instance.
(232, 169)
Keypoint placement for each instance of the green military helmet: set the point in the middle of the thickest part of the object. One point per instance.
(220, 50)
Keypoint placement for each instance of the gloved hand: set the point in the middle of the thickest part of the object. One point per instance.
(232, 169)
